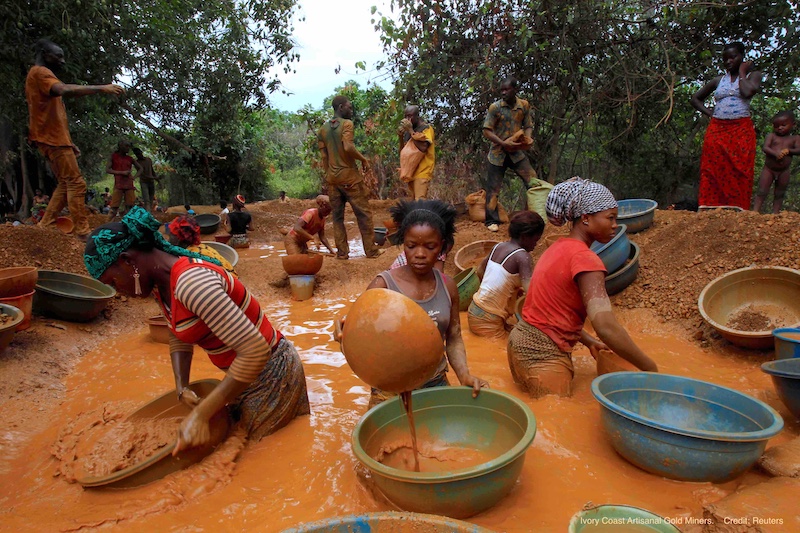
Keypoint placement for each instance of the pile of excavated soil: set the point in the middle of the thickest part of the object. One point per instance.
(684, 251)
(47, 249)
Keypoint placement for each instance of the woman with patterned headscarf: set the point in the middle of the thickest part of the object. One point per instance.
(239, 222)
(264, 382)
(568, 284)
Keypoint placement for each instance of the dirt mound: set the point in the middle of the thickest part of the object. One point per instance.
(45, 248)
(683, 251)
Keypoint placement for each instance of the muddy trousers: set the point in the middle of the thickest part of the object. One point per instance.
(494, 182)
(129, 195)
(537, 364)
(148, 193)
(357, 195)
(419, 188)
(71, 188)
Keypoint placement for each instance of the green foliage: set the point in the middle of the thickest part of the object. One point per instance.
(200, 68)
(609, 82)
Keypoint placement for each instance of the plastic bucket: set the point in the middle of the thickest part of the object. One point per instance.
(624, 517)
(302, 287)
(25, 304)
(787, 342)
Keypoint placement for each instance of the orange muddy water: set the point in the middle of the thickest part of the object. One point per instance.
(307, 472)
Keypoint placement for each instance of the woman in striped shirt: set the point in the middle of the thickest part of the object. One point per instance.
(204, 304)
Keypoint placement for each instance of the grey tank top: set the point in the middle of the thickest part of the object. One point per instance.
(437, 306)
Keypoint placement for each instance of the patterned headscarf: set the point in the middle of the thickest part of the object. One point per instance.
(575, 197)
(238, 201)
(137, 229)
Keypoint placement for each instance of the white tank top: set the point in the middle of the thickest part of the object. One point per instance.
(498, 286)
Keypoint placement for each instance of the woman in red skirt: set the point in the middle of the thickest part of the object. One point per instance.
(727, 166)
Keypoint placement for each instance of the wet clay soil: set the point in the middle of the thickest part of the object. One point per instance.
(127, 444)
(53, 377)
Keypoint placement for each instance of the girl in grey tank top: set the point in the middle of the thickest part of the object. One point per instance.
(425, 227)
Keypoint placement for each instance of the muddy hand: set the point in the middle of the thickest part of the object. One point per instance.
(477, 384)
(194, 431)
(338, 326)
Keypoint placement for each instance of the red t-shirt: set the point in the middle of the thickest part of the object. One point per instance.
(313, 223)
(554, 304)
(122, 162)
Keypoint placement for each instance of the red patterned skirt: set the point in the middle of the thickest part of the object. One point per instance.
(727, 165)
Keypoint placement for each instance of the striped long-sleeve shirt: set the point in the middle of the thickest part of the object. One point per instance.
(213, 309)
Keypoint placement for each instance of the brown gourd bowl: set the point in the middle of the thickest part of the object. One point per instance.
(302, 264)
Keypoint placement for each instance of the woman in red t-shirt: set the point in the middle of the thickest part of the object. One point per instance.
(568, 285)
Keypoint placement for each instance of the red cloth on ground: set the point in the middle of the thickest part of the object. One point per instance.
(727, 166)
(554, 304)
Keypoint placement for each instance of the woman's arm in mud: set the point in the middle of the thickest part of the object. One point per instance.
(610, 331)
(454, 345)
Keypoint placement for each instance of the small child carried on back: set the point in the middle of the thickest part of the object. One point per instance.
(779, 147)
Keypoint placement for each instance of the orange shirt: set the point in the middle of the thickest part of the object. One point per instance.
(48, 117)
(554, 305)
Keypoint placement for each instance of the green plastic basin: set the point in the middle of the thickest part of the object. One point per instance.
(388, 522)
(468, 284)
(496, 424)
(623, 517)
(70, 296)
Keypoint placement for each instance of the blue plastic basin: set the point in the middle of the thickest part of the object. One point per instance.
(785, 374)
(683, 428)
(619, 280)
(614, 252)
(388, 521)
(637, 214)
(787, 342)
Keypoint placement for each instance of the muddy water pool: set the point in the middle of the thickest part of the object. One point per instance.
(307, 472)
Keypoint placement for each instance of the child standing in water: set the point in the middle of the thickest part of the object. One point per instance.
(779, 147)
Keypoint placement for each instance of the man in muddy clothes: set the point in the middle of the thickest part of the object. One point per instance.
(49, 132)
(345, 182)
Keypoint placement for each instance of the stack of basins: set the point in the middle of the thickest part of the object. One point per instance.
(17, 286)
(621, 255)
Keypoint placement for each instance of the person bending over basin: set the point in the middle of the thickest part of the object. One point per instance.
(568, 284)
(264, 383)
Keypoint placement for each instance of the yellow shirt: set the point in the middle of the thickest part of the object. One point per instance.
(425, 168)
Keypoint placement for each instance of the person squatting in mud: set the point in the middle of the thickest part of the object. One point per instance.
(568, 284)
(425, 228)
(310, 223)
(264, 383)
